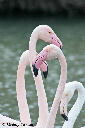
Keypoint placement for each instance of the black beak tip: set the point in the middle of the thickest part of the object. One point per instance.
(64, 116)
(60, 47)
(35, 70)
(31, 125)
(45, 73)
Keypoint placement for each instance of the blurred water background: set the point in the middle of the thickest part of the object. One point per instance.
(14, 38)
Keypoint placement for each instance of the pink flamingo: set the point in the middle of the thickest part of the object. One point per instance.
(67, 94)
(45, 33)
(50, 52)
(24, 60)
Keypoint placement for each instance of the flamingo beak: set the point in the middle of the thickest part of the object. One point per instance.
(64, 116)
(44, 68)
(35, 70)
(63, 108)
(55, 40)
(45, 73)
(31, 125)
(38, 62)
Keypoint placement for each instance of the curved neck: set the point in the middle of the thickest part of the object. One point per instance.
(75, 110)
(32, 45)
(21, 93)
(59, 92)
(42, 99)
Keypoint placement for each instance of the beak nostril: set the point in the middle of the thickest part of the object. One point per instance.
(55, 40)
(58, 42)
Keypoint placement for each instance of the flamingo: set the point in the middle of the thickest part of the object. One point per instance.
(49, 52)
(66, 97)
(24, 60)
(20, 87)
(45, 33)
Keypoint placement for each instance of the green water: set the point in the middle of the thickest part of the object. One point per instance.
(14, 39)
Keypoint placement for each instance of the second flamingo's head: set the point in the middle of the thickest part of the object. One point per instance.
(47, 34)
(66, 97)
(49, 52)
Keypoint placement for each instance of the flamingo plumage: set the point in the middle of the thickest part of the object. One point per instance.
(66, 97)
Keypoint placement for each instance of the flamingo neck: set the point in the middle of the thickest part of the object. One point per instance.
(42, 99)
(21, 91)
(32, 45)
(59, 92)
(75, 110)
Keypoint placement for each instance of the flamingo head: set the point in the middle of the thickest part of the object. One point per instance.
(49, 52)
(47, 34)
(66, 97)
(43, 67)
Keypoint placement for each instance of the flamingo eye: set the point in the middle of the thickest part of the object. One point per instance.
(49, 32)
(47, 50)
(66, 94)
